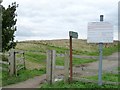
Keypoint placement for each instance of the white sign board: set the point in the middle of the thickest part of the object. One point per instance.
(100, 32)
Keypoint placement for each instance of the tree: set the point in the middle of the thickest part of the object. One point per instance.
(8, 26)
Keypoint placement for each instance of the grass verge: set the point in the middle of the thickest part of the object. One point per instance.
(105, 77)
(22, 76)
(78, 84)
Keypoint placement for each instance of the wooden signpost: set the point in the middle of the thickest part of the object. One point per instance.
(71, 35)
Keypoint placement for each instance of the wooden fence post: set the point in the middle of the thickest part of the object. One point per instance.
(12, 62)
(24, 60)
(66, 66)
(53, 65)
(50, 67)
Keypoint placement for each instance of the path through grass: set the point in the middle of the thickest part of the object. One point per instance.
(21, 76)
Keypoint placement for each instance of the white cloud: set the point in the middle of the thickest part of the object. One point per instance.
(52, 19)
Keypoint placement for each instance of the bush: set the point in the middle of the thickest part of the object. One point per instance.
(4, 58)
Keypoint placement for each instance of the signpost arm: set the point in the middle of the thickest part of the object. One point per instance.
(100, 59)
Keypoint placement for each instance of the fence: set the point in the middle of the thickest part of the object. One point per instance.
(19, 61)
(51, 59)
(81, 79)
(50, 67)
(16, 62)
(4, 65)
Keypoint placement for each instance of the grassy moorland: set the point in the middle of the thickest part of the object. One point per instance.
(80, 47)
(35, 51)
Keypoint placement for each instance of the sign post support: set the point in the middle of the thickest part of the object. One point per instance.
(100, 58)
(100, 32)
(100, 65)
(71, 35)
(70, 58)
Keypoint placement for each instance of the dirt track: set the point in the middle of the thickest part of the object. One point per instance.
(110, 64)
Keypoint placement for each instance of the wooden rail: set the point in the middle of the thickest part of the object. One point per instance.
(4, 69)
(3, 62)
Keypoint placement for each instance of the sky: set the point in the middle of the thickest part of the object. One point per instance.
(53, 19)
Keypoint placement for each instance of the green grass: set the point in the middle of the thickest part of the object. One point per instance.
(22, 76)
(105, 77)
(3, 65)
(35, 57)
(60, 61)
(58, 49)
(76, 61)
(109, 51)
(118, 68)
(106, 51)
(41, 59)
(78, 84)
(89, 53)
